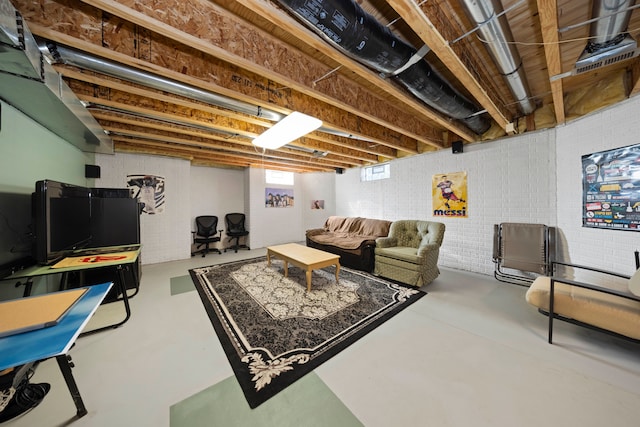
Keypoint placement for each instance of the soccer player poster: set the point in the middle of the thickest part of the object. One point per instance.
(450, 194)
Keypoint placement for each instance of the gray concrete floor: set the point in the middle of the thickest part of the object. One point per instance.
(471, 353)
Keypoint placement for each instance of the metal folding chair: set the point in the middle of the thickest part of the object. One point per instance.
(522, 251)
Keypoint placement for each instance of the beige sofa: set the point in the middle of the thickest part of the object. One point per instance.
(353, 238)
(609, 310)
(409, 254)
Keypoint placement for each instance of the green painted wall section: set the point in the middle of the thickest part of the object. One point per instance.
(29, 152)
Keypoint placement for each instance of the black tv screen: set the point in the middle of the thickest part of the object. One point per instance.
(62, 219)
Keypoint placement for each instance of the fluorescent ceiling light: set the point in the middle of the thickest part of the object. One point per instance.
(286, 130)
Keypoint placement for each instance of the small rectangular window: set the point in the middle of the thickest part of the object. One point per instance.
(373, 173)
(278, 177)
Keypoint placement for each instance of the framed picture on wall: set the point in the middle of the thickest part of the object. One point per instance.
(449, 194)
(611, 189)
(278, 197)
(149, 190)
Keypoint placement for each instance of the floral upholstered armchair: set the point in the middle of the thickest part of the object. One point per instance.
(409, 254)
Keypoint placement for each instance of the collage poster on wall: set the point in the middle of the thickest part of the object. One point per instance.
(278, 197)
(149, 190)
(449, 193)
(611, 189)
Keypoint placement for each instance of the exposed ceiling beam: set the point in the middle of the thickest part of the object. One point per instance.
(374, 133)
(286, 22)
(297, 75)
(548, 13)
(422, 25)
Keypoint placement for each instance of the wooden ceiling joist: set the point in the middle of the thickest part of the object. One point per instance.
(411, 12)
(214, 74)
(232, 150)
(332, 117)
(156, 147)
(298, 74)
(548, 12)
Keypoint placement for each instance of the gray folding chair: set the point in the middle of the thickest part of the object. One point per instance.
(522, 251)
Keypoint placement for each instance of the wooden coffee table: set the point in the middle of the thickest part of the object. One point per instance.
(304, 257)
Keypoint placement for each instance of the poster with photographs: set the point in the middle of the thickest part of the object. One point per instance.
(449, 194)
(278, 197)
(611, 189)
(149, 190)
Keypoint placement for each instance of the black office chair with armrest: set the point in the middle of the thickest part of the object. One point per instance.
(205, 234)
(235, 230)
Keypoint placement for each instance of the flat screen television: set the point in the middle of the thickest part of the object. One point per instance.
(61, 220)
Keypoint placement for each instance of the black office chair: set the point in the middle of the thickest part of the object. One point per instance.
(235, 230)
(205, 234)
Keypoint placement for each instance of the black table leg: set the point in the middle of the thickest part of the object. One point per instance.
(125, 299)
(65, 364)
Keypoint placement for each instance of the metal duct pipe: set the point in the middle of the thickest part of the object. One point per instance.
(609, 41)
(497, 33)
(612, 24)
(345, 25)
(65, 55)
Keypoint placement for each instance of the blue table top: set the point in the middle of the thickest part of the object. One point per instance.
(54, 340)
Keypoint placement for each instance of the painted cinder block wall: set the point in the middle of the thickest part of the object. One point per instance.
(534, 177)
(165, 236)
(609, 128)
(511, 180)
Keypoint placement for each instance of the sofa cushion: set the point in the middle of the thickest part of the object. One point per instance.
(634, 283)
(402, 253)
(349, 232)
(604, 311)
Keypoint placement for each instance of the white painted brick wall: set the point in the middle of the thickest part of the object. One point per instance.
(604, 130)
(164, 236)
(512, 180)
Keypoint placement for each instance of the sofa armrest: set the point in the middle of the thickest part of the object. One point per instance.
(386, 242)
(425, 249)
(315, 231)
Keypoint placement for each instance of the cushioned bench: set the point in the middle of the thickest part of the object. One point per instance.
(608, 310)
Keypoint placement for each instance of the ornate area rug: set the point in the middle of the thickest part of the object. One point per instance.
(274, 332)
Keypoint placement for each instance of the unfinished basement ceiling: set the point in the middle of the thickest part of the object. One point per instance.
(200, 79)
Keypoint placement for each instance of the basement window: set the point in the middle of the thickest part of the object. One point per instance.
(278, 177)
(376, 172)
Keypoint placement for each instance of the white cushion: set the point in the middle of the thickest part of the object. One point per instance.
(634, 283)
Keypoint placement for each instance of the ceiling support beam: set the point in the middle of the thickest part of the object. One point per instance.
(548, 12)
(286, 22)
(296, 74)
(124, 143)
(129, 127)
(372, 132)
(206, 147)
(413, 15)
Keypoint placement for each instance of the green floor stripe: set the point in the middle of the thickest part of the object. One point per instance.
(181, 285)
(307, 402)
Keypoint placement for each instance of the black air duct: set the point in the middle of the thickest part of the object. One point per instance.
(356, 33)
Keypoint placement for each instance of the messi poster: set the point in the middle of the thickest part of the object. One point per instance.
(611, 189)
(449, 193)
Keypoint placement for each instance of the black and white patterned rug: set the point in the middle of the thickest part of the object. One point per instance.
(274, 332)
